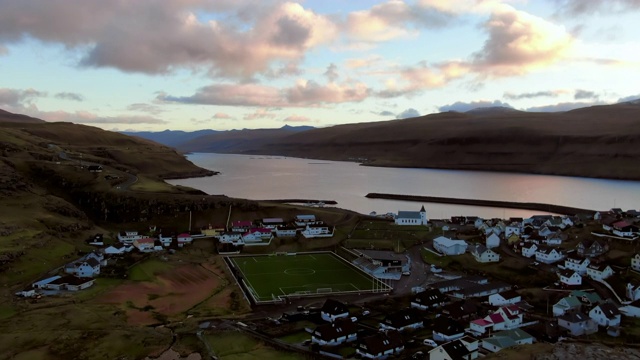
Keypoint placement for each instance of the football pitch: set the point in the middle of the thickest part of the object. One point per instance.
(271, 277)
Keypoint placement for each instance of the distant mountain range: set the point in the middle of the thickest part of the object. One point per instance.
(231, 141)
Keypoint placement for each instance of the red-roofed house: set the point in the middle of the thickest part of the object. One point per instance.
(624, 229)
(144, 245)
(241, 225)
(184, 238)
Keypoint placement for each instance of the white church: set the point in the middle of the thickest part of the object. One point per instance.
(412, 217)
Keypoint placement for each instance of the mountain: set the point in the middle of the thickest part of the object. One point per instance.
(6, 116)
(598, 141)
(239, 141)
(170, 137)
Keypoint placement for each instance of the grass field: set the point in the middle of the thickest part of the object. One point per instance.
(272, 276)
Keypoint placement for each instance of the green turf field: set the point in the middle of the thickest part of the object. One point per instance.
(306, 274)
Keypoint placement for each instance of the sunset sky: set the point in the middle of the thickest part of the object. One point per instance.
(232, 64)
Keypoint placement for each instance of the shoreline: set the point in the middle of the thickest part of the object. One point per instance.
(557, 209)
(300, 201)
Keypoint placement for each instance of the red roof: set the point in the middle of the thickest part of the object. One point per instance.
(621, 224)
(242, 223)
(496, 318)
(146, 241)
(481, 322)
(184, 235)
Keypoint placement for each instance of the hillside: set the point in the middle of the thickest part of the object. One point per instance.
(171, 138)
(600, 141)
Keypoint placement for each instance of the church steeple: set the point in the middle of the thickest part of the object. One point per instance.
(422, 209)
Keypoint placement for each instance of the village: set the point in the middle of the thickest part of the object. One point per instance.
(465, 287)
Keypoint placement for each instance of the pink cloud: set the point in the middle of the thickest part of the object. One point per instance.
(222, 116)
(296, 119)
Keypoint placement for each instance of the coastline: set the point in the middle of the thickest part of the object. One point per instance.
(557, 209)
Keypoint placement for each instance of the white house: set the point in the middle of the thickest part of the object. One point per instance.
(505, 298)
(332, 310)
(513, 228)
(465, 348)
(577, 323)
(412, 217)
(231, 238)
(492, 241)
(549, 255)
(529, 250)
(241, 225)
(446, 329)
(599, 272)
(565, 305)
(317, 231)
(624, 229)
(449, 246)
(635, 262)
(577, 264)
(304, 220)
(570, 277)
(127, 237)
(633, 290)
(286, 231)
(605, 315)
(272, 223)
(484, 255)
(165, 240)
(336, 333)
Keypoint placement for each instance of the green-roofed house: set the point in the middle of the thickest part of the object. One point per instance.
(505, 339)
(587, 298)
(566, 304)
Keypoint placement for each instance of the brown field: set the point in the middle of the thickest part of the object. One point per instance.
(170, 294)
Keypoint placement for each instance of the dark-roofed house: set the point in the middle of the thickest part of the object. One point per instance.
(577, 323)
(569, 278)
(479, 290)
(447, 329)
(380, 345)
(84, 268)
(605, 314)
(465, 348)
(332, 310)
(338, 332)
(591, 248)
(70, 282)
(429, 299)
(462, 310)
(409, 318)
(599, 271)
(573, 262)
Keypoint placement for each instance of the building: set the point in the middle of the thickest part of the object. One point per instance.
(69, 282)
(184, 239)
(569, 278)
(505, 339)
(549, 255)
(317, 231)
(635, 262)
(86, 268)
(591, 248)
(492, 241)
(587, 298)
(529, 250)
(332, 310)
(241, 226)
(95, 168)
(117, 249)
(577, 324)
(335, 333)
(144, 245)
(633, 290)
(465, 348)
(577, 264)
(429, 299)
(505, 298)
(446, 329)
(565, 305)
(380, 345)
(482, 254)
(599, 272)
(272, 223)
(304, 220)
(286, 231)
(448, 246)
(481, 290)
(127, 237)
(412, 217)
(231, 238)
(624, 229)
(409, 318)
(605, 315)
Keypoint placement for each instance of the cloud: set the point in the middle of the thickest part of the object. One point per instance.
(222, 116)
(460, 106)
(385, 113)
(584, 94)
(303, 93)
(3, 50)
(296, 119)
(331, 73)
(581, 7)
(392, 19)
(519, 42)
(147, 108)
(260, 114)
(243, 38)
(409, 113)
(414, 79)
(69, 96)
(461, 6)
(564, 106)
(19, 98)
(86, 117)
(532, 95)
(356, 63)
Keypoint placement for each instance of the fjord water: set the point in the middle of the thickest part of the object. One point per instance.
(272, 177)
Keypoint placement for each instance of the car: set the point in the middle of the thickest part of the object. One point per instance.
(535, 263)
(406, 273)
(435, 269)
(365, 312)
(429, 342)
(354, 319)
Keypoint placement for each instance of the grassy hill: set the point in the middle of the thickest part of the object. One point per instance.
(600, 141)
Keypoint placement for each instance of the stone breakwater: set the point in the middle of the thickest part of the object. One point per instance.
(556, 209)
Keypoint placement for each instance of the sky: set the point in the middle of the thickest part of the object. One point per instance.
(151, 65)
